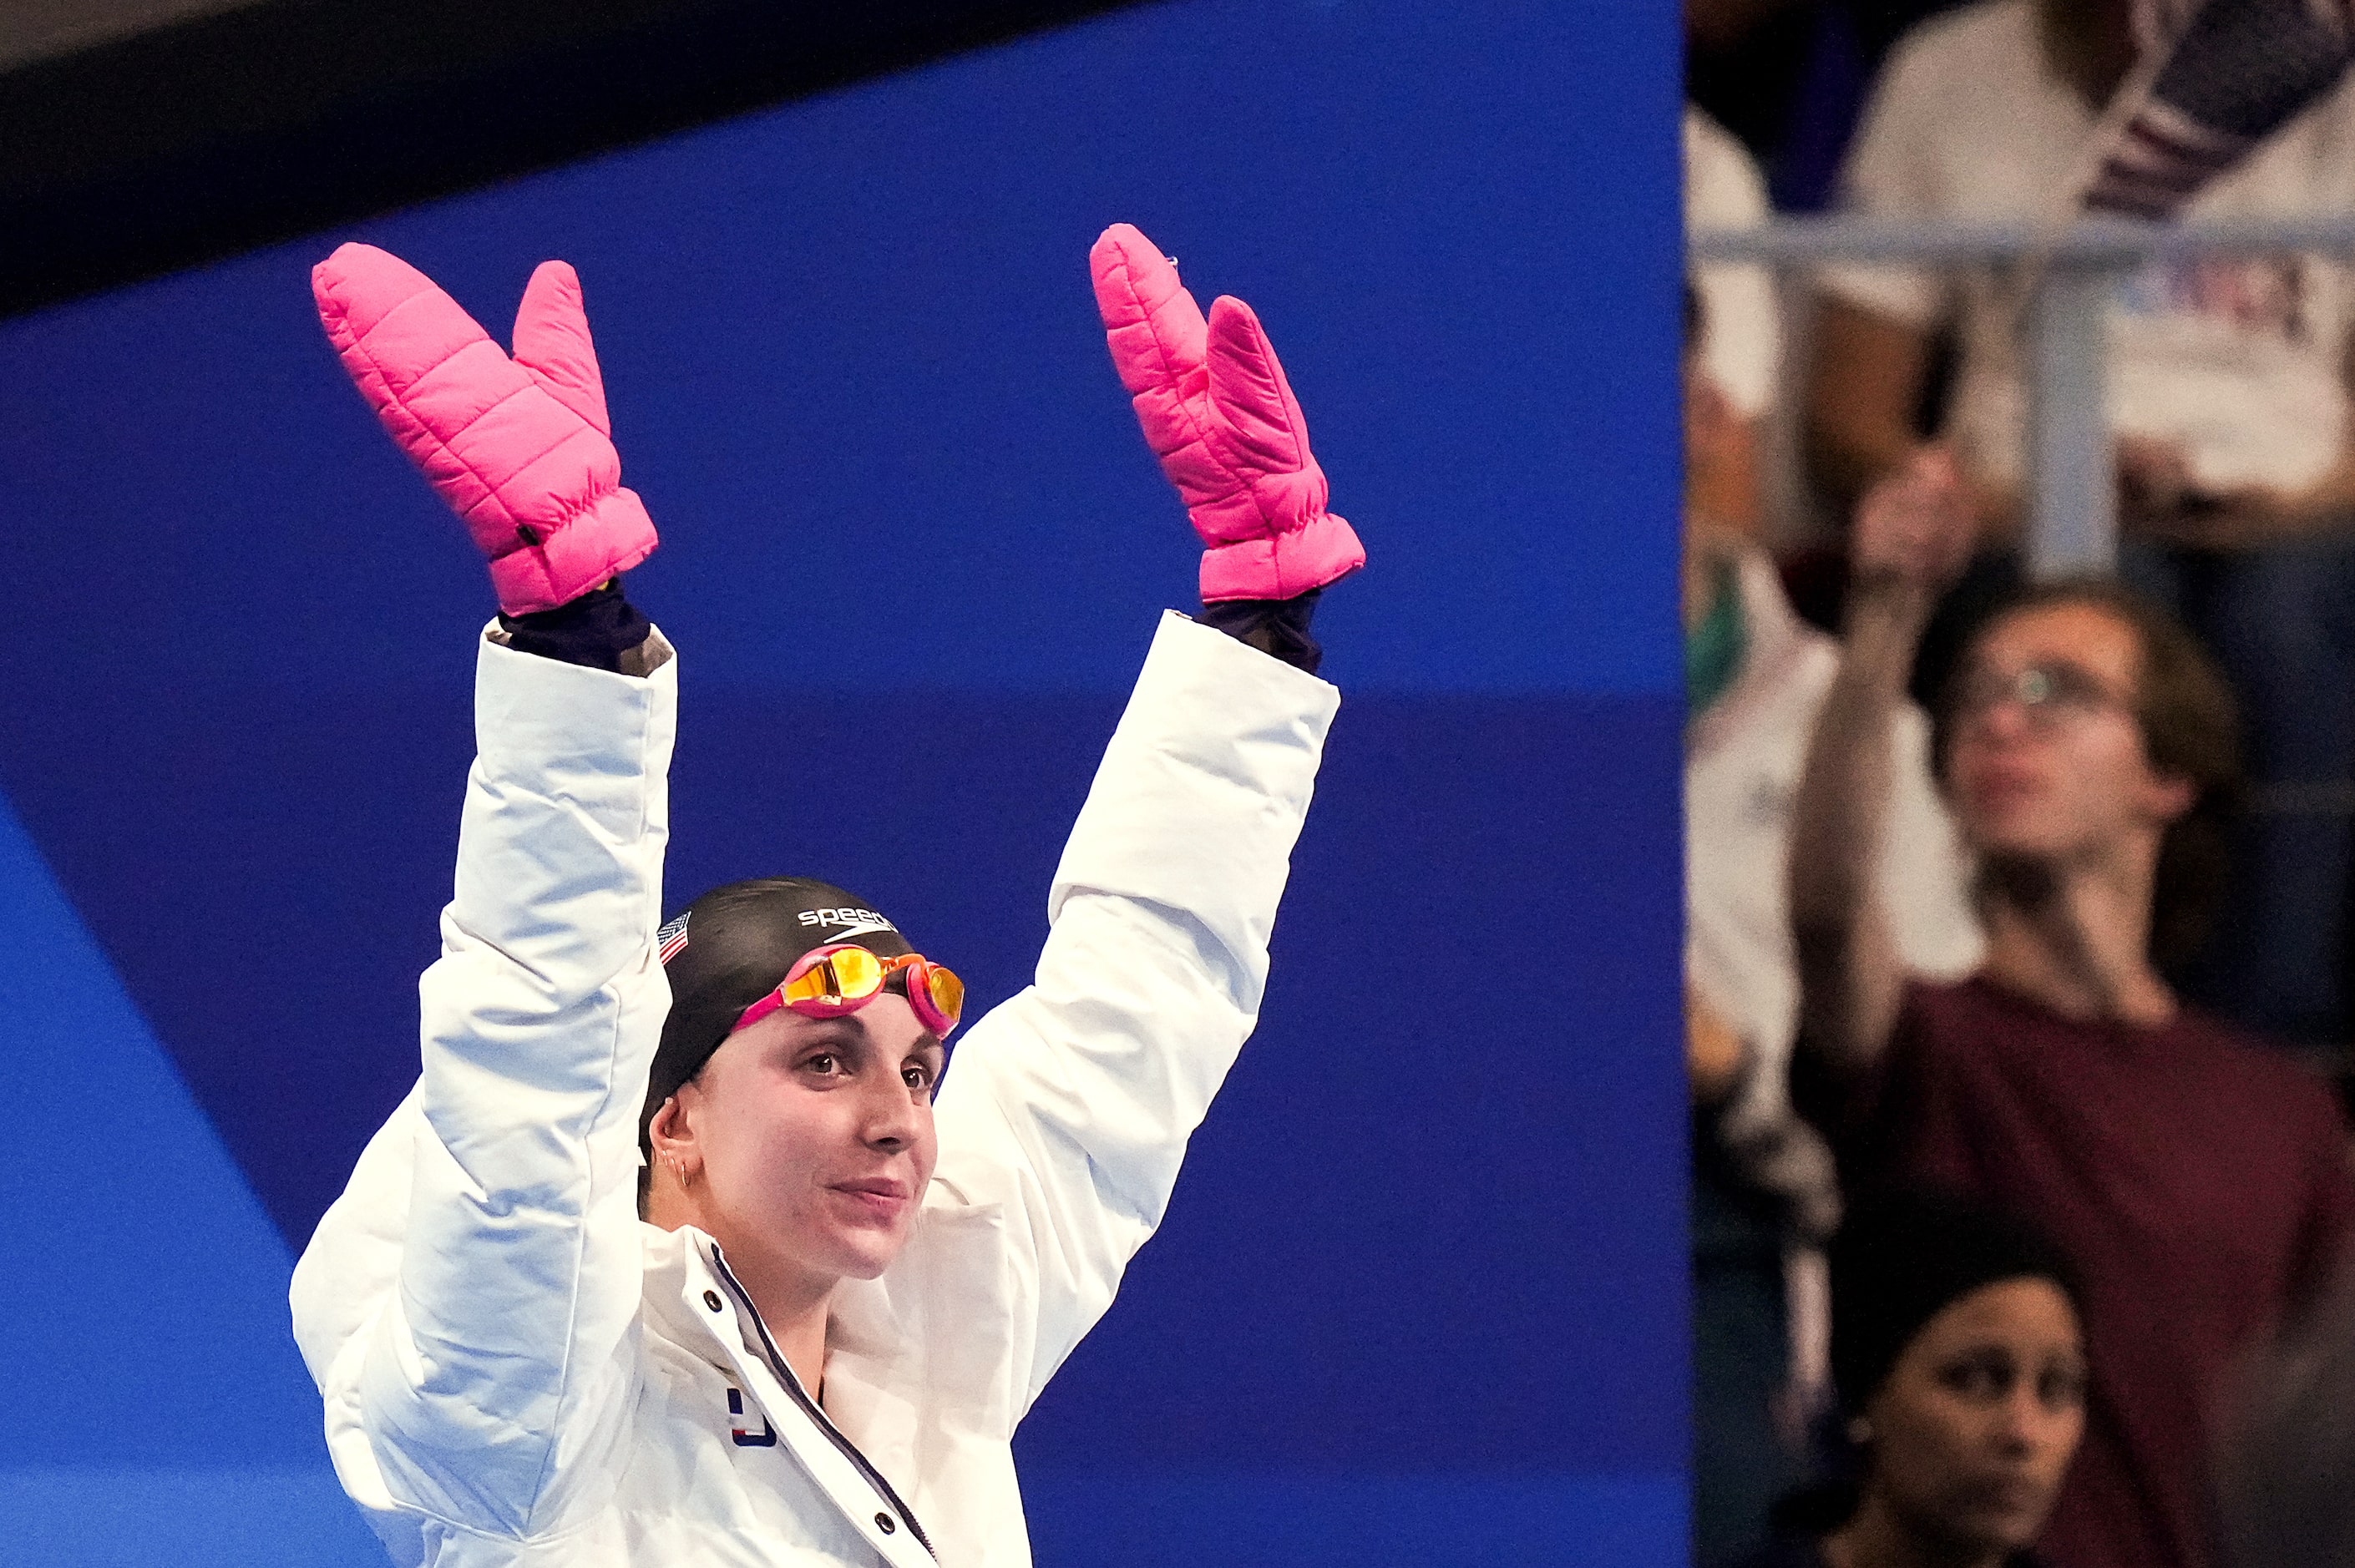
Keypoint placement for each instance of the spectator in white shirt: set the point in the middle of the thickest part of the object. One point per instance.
(2228, 400)
(1764, 1195)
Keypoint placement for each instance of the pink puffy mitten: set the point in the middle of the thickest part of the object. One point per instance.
(520, 448)
(1219, 414)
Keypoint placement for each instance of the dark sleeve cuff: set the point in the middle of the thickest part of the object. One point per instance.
(600, 630)
(1277, 627)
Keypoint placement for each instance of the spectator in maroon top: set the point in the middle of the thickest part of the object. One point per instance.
(2199, 1181)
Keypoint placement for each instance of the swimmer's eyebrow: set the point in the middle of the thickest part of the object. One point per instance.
(834, 1033)
(849, 1033)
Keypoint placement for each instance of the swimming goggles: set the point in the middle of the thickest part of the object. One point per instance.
(838, 980)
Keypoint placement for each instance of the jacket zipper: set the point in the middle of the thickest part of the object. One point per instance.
(793, 1386)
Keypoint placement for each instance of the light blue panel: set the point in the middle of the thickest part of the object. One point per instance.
(143, 1289)
(188, 1518)
(1263, 1519)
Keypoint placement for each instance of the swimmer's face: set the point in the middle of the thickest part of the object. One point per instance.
(813, 1138)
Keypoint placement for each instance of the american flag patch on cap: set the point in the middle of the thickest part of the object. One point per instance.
(671, 938)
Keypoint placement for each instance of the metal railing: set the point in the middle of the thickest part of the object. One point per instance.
(2073, 496)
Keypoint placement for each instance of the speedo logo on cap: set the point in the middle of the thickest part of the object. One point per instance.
(854, 922)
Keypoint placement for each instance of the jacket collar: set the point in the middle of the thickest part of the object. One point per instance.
(678, 1273)
(679, 1266)
(691, 1299)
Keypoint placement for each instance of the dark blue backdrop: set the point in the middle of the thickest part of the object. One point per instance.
(1420, 1297)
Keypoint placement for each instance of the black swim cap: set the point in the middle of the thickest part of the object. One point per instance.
(732, 947)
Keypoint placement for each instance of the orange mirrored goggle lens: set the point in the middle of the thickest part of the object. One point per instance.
(947, 992)
(848, 978)
(837, 982)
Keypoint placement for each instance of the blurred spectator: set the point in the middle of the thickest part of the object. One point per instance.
(1764, 1195)
(2228, 373)
(2201, 1183)
(1788, 77)
(2284, 1501)
(1960, 1358)
(2227, 75)
(2228, 395)
(1743, 345)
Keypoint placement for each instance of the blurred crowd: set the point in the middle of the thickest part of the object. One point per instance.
(2019, 970)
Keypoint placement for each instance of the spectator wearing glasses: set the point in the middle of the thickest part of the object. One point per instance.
(2227, 398)
(2201, 1182)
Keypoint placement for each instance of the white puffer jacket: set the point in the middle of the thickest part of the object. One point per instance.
(517, 1371)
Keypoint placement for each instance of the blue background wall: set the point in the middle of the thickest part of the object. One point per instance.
(1420, 1298)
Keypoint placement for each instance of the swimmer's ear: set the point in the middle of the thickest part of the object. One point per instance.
(672, 1133)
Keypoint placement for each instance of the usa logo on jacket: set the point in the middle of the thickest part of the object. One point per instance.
(766, 1437)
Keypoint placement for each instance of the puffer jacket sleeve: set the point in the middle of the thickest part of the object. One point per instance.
(1071, 1103)
(469, 1306)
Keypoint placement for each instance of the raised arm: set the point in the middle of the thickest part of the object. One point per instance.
(1912, 532)
(1071, 1106)
(472, 1294)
